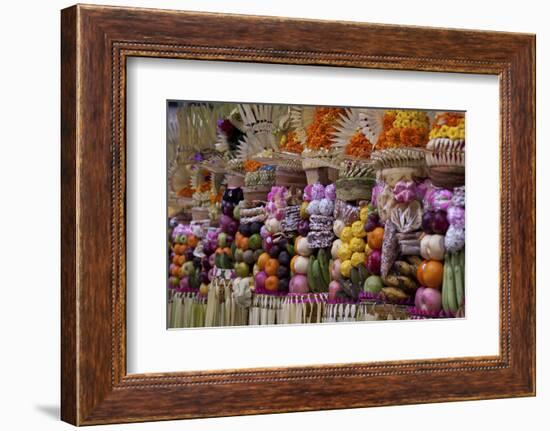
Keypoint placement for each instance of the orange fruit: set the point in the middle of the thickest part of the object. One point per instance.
(271, 266)
(175, 271)
(419, 272)
(432, 274)
(293, 262)
(375, 238)
(244, 243)
(272, 283)
(262, 260)
(192, 241)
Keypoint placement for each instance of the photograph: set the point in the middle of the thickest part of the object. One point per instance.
(298, 214)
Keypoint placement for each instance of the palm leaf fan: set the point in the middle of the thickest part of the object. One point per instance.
(346, 126)
(259, 123)
(301, 118)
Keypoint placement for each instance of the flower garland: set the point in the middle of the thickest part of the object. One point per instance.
(359, 146)
(403, 129)
(251, 165)
(291, 144)
(448, 125)
(321, 129)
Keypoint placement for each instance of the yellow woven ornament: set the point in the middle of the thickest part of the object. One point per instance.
(364, 214)
(346, 234)
(345, 268)
(357, 259)
(357, 245)
(344, 252)
(358, 229)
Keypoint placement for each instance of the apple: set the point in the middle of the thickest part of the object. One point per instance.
(428, 300)
(373, 284)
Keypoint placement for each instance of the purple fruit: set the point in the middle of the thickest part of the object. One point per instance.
(203, 276)
(227, 208)
(284, 258)
(303, 227)
(282, 272)
(224, 221)
(189, 254)
(212, 260)
(440, 223)
(283, 285)
(184, 283)
(274, 251)
(206, 264)
(264, 233)
(372, 222)
(259, 280)
(373, 262)
(427, 222)
(267, 243)
(232, 227)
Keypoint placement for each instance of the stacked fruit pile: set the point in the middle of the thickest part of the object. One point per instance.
(272, 273)
(247, 248)
(188, 271)
(229, 224)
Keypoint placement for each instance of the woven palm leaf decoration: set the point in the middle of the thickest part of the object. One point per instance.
(260, 123)
(301, 118)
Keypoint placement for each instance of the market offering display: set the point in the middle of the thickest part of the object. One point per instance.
(317, 214)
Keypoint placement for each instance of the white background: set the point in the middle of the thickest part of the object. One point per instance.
(29, 169)
(153, 349)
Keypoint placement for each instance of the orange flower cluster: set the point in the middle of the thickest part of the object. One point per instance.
(186, 192)
(395, 137)
(216, 197)
(359, 146)
(320, 131)
(251, 165)
(204, 187)
(292, 145)
(451, 119)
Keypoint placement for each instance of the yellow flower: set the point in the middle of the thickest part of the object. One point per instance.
(346, 234)
(367, 249)
(364, 214)
(344, 252)
(357, 244)
(357, 259)
(444, 130)
(416, 123)
(453, 133)
(396, 124)
(345, 268)
(405, 123)
(358, 229)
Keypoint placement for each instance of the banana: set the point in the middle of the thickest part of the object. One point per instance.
(394, 294)
(453, 305)
(404, 268)
(401, 282)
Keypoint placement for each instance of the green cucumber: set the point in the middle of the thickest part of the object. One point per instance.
(459, 281)
(323, 266)
(453, 305)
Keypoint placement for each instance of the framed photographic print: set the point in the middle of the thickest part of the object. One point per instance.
(329, 214)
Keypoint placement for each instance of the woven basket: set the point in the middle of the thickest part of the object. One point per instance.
(199, 213)
(351, 189)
